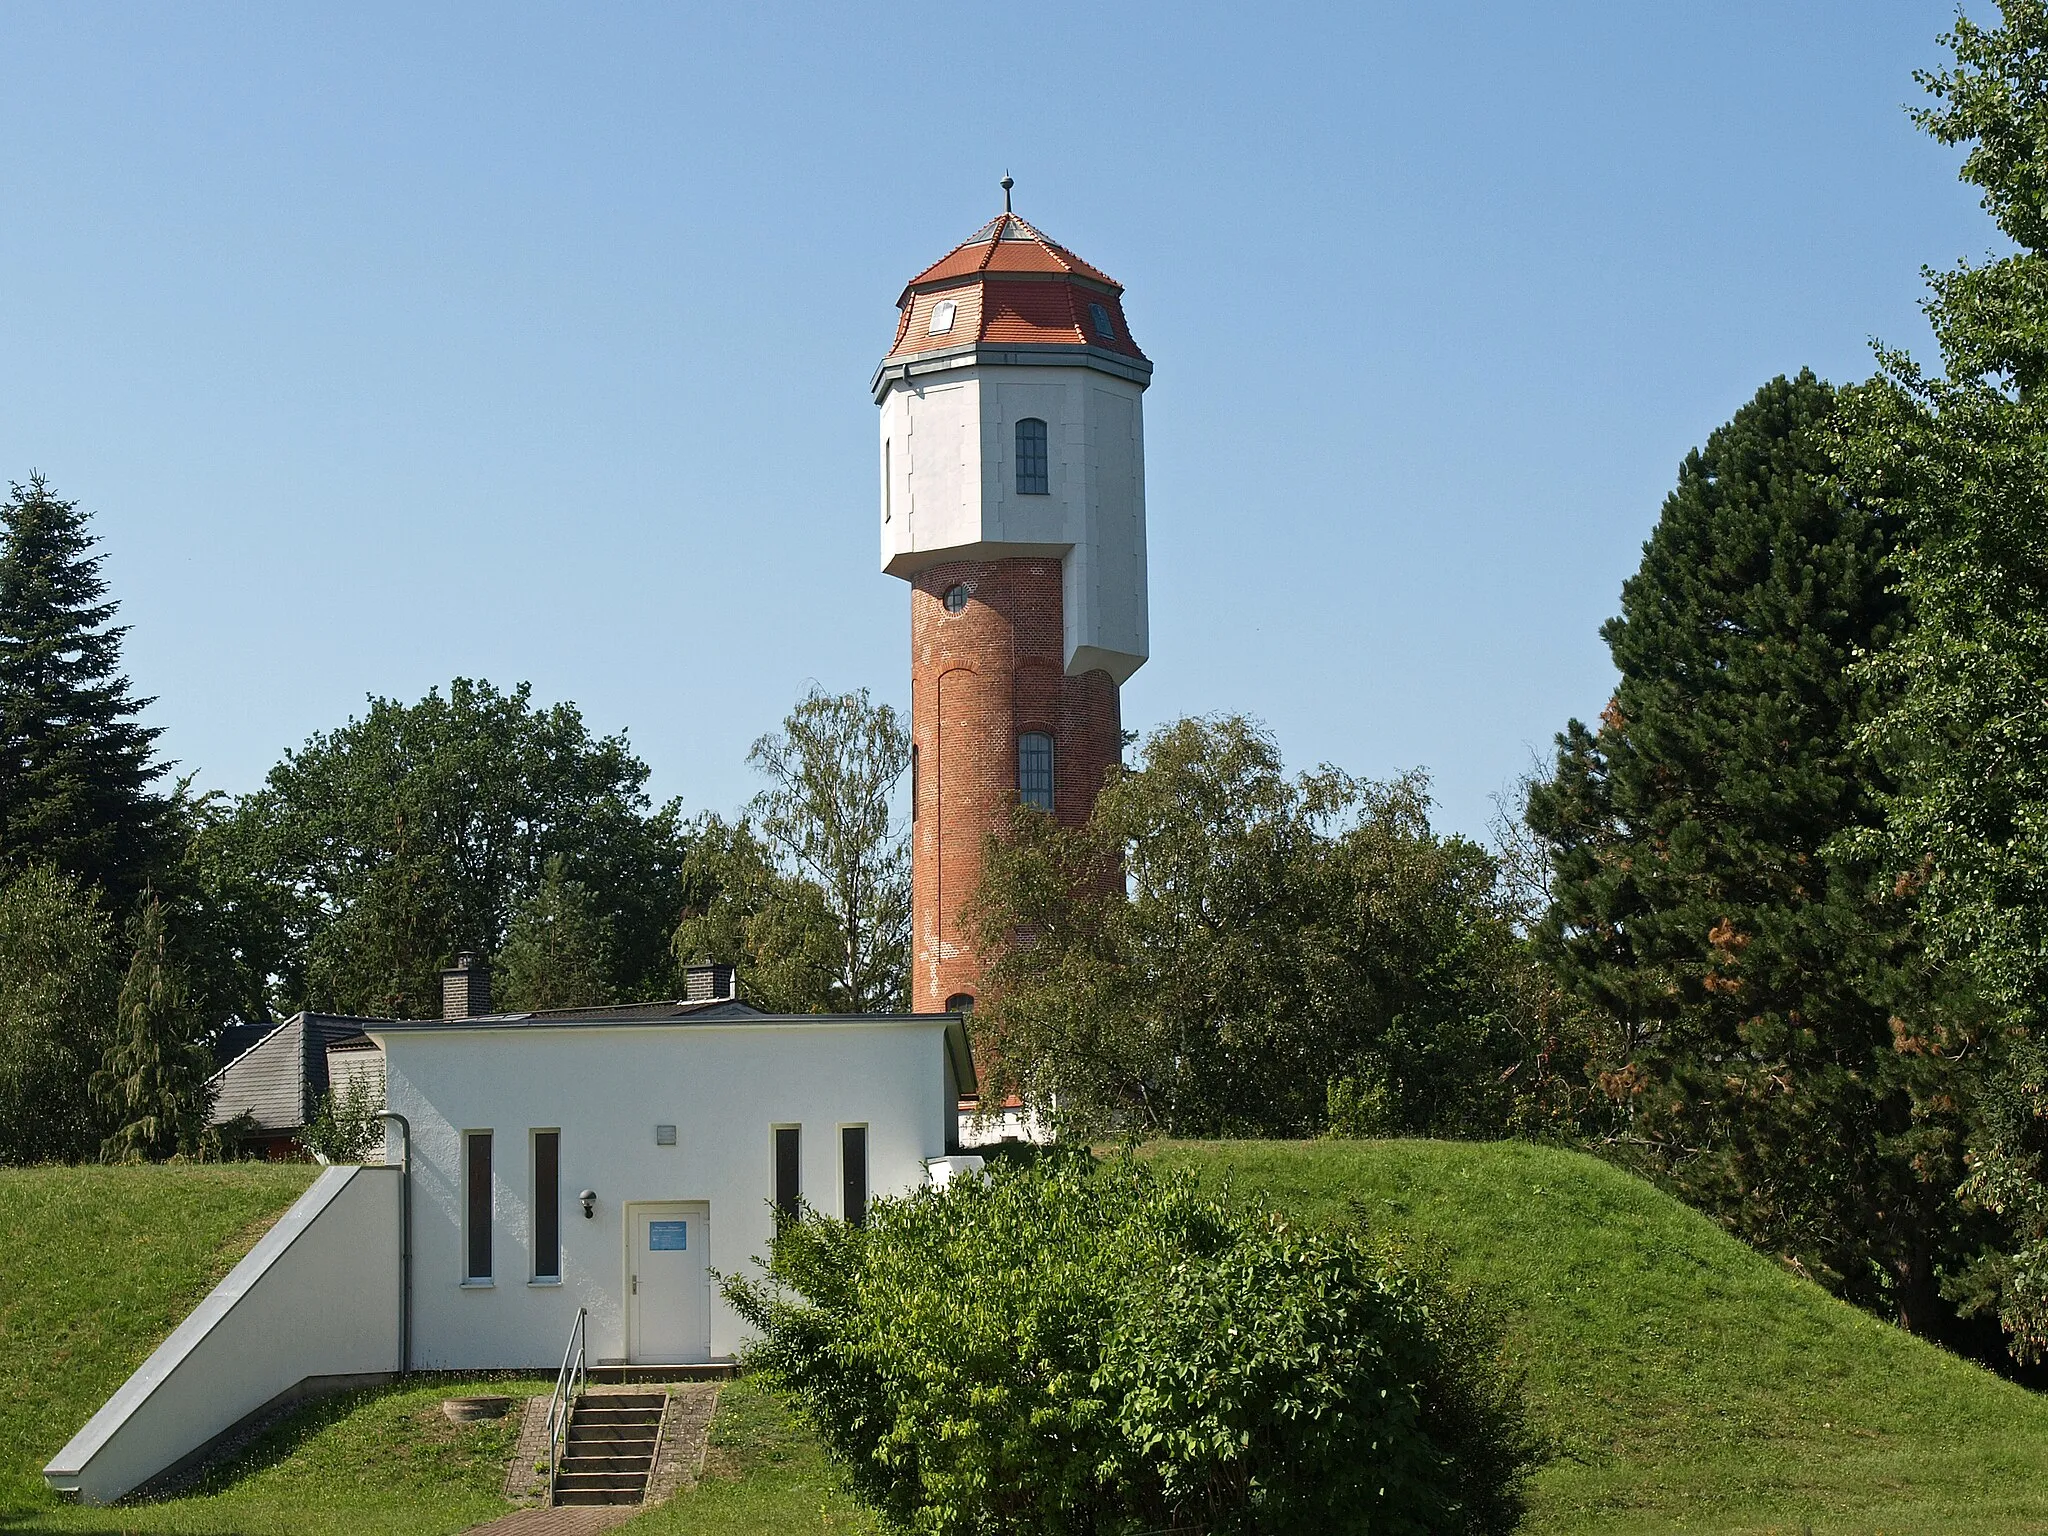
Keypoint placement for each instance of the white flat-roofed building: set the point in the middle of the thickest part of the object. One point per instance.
(687, 1123)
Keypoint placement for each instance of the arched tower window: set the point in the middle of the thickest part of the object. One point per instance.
(1034, 769)
(1033, 473)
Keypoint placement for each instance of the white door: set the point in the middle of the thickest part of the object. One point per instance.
(667, 1291)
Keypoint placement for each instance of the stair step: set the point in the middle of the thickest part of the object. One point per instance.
(639, 1464)
(625, 1399)
(607, 1434)
(616, 1415)
(600, 1482)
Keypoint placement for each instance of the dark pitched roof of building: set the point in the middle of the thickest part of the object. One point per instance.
(276, 1079)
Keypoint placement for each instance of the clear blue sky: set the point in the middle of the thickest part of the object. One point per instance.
(394, 343)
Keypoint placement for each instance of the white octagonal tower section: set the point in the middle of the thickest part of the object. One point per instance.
(949, 491)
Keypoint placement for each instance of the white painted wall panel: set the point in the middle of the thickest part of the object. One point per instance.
(950, 449)
(722, 1086)
(317, 1296)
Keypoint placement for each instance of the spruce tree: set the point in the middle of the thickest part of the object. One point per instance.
(76, 764)
(557, 952)
(153, 1083)
(1701, 897)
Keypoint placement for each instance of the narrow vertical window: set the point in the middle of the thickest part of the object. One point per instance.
(853, 1174)
(913, 781)
(1033, 476)
(547, 1205)
(1034, 769)
(888, 489)
(789, 1186)
(480, 1206)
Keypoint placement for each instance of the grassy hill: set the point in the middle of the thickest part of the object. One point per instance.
(1685, 1383)
(96, 1266)
(1688, 1384)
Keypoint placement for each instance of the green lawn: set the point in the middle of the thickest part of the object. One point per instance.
(380, 1463)
(96, 1266)
(1685, 1383)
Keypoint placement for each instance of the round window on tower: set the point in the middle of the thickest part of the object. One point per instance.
(956, 598)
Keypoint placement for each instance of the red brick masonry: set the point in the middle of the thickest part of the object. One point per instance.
(979, 679)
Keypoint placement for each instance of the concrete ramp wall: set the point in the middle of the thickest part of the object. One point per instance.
(318, 1296)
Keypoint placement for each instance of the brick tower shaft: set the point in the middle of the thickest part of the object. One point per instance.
(985, 680)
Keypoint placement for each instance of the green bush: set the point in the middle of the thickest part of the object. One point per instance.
(1085, 1349)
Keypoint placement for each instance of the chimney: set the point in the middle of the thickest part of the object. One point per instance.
(466, 989)
(708, 982)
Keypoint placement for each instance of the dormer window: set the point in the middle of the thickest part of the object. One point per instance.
(1034, 475)
(1104, 326)
(942, 316)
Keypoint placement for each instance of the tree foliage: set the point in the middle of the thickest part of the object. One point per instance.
(57, 994)
(417, 832)
(775, 929)
(826, 814)
(153, 1084)
(557, 950)
(1083, 1349)
(76, 765)
(1223, 949)
(1700, 894)
(1961, 457)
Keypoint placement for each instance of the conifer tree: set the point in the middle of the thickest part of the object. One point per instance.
(557, 952)
(1696, 897)
(153, 1084)
(76, 764)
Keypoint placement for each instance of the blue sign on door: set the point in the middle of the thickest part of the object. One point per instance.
(668, 1236)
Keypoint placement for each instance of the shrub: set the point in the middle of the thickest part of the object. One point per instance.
(1079, 1347)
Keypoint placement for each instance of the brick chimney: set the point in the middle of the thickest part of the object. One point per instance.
(466, 989)
(708, 982)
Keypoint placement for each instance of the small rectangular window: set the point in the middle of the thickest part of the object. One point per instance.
(853, 1174)
(481, 1206)
(789, 1182)
(1034, 769)
(1034, 476)
(547, 1205)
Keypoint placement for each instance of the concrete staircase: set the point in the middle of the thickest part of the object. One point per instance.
(610, 1450)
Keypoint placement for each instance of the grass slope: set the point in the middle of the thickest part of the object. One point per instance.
(383, 1462)
(96, 1266)
(1687, 1383)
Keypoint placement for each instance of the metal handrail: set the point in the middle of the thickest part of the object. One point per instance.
(570, 1381)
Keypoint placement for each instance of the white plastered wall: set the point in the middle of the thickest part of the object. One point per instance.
(723, 1087)
(317, 1296)
(949, 492)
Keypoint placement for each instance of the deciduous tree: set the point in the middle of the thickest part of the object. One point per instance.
(826, 814)
(1223, 949)
(58, 978)
(1962, 457)
(415, 833)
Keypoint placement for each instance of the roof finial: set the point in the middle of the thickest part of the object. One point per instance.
(1006, 184)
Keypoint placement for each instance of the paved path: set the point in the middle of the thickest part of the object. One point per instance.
(569, 1520)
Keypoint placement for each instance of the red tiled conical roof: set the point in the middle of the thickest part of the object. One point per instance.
(1009, 283)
